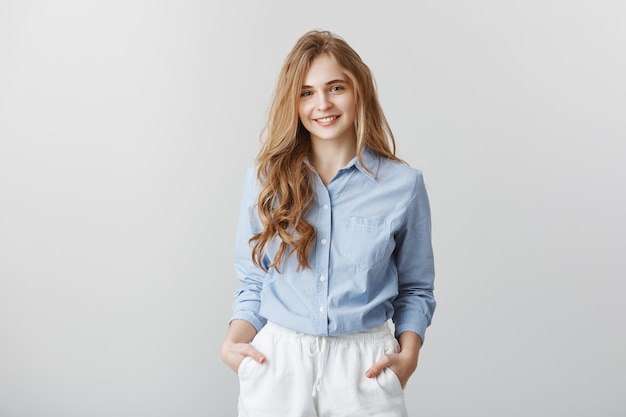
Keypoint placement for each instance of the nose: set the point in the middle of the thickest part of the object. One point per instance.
(324, 102)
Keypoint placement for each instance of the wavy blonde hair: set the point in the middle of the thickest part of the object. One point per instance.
(286, 191)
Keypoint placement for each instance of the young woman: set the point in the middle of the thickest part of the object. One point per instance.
(333, 242)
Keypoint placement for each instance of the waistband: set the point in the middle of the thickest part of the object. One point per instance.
(375, 334)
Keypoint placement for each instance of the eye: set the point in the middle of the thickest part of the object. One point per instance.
(305, 94)
(336, 88)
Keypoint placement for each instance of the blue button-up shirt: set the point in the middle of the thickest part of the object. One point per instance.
(372, 260)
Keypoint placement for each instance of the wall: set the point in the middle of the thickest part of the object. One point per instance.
(125, 131)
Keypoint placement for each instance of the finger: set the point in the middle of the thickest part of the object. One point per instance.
(378, 367)
(249, 350)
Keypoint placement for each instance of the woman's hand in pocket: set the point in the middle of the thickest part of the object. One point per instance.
(403, 363)
(234, 353)
(237, 345)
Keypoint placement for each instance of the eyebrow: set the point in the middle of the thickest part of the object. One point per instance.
(337, 81)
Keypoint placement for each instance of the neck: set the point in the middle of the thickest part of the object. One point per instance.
(328, 157)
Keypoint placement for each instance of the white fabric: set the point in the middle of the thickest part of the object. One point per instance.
(319, 376)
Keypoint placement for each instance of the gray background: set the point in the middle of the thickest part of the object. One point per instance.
(125, 131)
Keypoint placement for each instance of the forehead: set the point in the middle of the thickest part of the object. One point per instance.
(324, 68)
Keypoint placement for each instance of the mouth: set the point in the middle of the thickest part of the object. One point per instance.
(326, 119)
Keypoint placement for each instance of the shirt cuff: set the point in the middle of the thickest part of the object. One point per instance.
(418, 326)
(257, 321)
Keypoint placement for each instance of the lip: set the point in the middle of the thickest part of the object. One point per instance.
(326, 120)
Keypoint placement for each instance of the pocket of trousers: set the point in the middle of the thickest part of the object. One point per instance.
(243, 366)
(389, 382)
(249, 367)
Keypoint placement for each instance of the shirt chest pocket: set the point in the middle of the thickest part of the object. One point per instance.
(364, 241)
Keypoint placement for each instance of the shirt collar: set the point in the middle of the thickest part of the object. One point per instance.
(370, 161)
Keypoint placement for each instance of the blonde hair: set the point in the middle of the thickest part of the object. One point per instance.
(286, 191)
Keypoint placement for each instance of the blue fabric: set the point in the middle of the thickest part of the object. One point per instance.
(372, 259)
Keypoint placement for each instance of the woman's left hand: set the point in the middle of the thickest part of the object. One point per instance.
(404, 363)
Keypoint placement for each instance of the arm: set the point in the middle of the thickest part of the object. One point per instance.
(247, 300)
(237, 345)
(415, 304)
(404, 363)
(245, 319)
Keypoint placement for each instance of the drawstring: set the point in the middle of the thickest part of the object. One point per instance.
(320, 349)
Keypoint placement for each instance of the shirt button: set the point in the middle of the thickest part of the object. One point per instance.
(325, 206)
(322, 309)
(322, 278)
(323, 241)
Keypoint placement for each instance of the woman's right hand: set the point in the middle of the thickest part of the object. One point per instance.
(237, 345)
(234, 353)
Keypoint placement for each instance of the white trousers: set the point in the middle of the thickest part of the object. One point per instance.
(319, 376)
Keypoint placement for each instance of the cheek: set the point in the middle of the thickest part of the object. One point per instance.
(351, 108)
(348, 102)
(303, 112)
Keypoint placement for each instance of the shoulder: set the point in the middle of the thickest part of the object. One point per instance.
(390, 170)
(405, 182)
(251, 185)
(385, 169)
(251, 173)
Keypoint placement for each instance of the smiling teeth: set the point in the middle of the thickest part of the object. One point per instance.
(326, 119)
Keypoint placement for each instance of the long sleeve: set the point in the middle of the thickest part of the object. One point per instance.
(247, 299)
(415, 304)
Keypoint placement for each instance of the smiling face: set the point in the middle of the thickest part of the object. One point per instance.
(327, 106)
